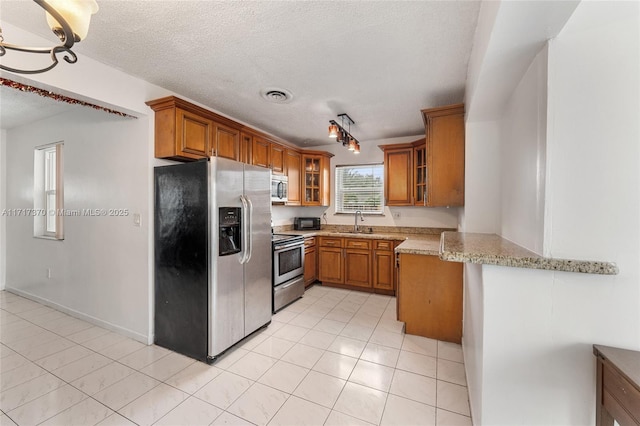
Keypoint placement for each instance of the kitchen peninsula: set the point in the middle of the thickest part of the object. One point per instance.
(491, 249)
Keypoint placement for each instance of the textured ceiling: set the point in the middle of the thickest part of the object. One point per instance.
(18, 108)
(380, 62)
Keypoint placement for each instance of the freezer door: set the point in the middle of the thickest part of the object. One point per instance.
(226, 304)
(181, 252)
(257, 269)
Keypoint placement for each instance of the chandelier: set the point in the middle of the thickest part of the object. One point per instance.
(343, 136)
(69, 21)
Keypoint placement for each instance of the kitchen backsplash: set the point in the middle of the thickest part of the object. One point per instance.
(372, 229)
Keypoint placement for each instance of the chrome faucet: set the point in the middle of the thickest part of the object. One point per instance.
(355, 224)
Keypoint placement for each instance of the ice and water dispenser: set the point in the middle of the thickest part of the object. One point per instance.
(229, 230)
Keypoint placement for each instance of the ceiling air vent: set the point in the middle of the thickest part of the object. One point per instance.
(277, 96)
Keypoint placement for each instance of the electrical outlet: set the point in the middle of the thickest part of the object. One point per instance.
(396, 215)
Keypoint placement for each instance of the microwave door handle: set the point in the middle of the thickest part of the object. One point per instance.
(248, 227)
(279, 190)
(243, 259)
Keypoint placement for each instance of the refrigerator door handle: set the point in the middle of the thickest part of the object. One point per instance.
(245, 237)
(249, 225)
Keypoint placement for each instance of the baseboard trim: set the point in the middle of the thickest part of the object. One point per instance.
(76, 314)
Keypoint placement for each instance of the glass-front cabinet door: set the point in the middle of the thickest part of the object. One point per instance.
(420, 174)
(315, 178)
(312, 174)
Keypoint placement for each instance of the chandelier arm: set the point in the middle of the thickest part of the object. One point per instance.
(65, 35)
(70, 57)
(47, 50)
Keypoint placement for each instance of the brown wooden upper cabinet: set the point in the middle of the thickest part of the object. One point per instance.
(271, 155)
(429, 171)
(315, 178)
(246, 147)
(261, 152)
(293, 162)
(226, 142)
(182, 134)
(277, 159)
(398, 177)
(186, 132)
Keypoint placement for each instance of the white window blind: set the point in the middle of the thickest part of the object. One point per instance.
(48, 202)
(50, 172)
(360, 187)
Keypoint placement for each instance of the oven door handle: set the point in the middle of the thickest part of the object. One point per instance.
(245, 237)
(286, 246)
(289, 284)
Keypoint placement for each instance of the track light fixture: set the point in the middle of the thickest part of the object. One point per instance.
(343, 136)
(69, 21)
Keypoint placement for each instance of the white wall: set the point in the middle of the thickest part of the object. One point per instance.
(100, 270)
(91, 81)
(473, 336)
(523, 158)
(3, 221)
(531, 361)
(481, 211)
(594, 109)
(427, 217)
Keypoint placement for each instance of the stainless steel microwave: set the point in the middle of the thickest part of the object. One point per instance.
(306, 223)
(279, 188)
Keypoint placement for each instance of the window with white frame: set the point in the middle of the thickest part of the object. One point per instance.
(48, 192)
(360, 187)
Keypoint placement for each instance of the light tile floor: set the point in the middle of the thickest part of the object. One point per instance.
(334, 357)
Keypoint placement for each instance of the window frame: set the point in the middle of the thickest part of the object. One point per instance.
(47, 212)
(378, 169)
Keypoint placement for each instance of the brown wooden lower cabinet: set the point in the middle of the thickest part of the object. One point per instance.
(357, 264)
(429, 297)
(384, 266)
(310, 261)
(330, 265)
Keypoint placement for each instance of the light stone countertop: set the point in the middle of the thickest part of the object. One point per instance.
(491, 249)
(486, 249)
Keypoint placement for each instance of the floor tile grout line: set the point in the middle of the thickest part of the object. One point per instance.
(84, 393)
(380, 317)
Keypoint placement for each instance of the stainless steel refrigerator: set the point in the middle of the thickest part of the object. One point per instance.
(212, 255)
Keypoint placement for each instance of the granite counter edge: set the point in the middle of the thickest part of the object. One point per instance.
(528, 262)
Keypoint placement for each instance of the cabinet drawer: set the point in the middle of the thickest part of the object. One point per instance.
(359, 244)
(310, 241)
(330, 242)
(383, 245)
(622, 391)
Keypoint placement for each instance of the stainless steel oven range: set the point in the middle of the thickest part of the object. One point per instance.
(288, 269)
